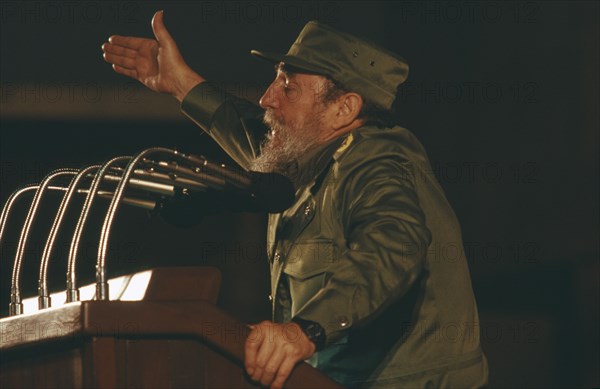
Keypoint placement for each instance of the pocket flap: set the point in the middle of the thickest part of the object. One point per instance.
(309, 258)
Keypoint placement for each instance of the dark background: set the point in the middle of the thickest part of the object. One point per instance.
(504, 96)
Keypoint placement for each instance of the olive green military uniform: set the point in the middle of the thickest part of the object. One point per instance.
(371, 250)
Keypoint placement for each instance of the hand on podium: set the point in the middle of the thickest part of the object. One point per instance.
(272, 350)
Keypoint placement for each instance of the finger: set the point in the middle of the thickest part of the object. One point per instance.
(272, 367)
(126, 72)
(119, 60)
(284, 372)
(130, 42)
(266, 352)
(119, 50)
(160, 31)
(250, 348)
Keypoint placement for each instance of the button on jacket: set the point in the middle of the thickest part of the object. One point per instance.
(371, 250)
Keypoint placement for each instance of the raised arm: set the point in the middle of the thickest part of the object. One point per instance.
(234, 123)
(156, 63)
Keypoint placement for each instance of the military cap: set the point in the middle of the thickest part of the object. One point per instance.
(357, 64)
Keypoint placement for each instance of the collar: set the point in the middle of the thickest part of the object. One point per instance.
(313, 163)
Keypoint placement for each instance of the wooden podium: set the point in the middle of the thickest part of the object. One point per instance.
(174, 337)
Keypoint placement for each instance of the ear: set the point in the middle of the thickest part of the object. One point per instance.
(348, 106)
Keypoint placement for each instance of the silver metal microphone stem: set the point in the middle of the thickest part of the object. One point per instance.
(238, 178)
(16, 305)
(72, 290)
(146, 185)
(195, 174)
(101, 283)
(146, 204)
(13, 198)
(43, 295)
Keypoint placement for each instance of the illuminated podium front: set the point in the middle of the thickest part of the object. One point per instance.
(162, 330)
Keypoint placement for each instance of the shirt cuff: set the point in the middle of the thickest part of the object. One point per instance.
(201, 103)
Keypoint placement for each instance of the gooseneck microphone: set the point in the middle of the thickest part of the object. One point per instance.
(101, 282)
(265, 192)
(16, 305)
(186, 182)
(43, 295)
(12, 199)
(27, 189)
(72, 290)
(261, 187)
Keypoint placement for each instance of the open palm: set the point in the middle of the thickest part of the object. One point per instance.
(158, 64)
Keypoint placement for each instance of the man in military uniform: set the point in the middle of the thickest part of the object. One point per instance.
(360, 286)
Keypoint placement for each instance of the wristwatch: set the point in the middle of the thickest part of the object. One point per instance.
(313, 331)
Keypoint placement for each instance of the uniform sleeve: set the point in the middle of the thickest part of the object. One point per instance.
(387, 240)
(235, 124)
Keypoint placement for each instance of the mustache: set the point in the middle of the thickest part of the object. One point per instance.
(271, 119)
(269, 116)
(277, 125)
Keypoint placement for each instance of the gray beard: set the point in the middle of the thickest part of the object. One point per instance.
(285, 144)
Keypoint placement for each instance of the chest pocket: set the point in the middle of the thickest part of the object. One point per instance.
(307, 268)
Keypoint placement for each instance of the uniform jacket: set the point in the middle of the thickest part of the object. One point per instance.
(371, 250)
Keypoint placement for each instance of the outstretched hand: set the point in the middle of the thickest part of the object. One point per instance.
(158, 64)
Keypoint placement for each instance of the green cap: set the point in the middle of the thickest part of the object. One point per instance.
(359, 65)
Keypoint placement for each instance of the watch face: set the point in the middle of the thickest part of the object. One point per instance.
(314, 332)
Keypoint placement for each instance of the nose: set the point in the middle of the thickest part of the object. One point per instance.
(269, 98)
